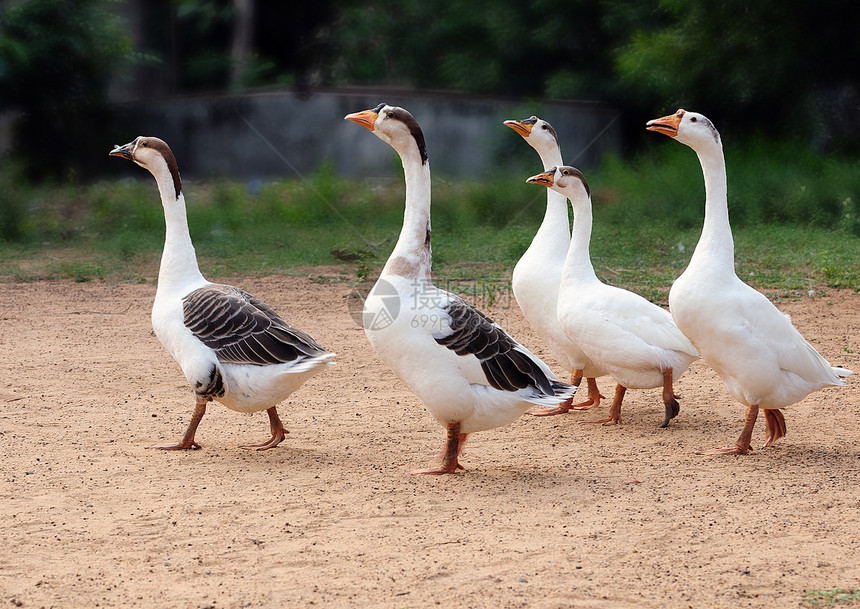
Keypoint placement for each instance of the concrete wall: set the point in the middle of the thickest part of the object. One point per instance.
(283, 134)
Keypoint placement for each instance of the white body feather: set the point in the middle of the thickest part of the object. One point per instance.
(247, 388)
(631, 338)
(452, 387)
(537, 275)
(752, 346)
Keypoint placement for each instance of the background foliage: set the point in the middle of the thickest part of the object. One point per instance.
(775, 67)
(57, 58)
(781, 72)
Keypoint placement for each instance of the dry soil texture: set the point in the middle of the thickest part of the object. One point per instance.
(548, 513)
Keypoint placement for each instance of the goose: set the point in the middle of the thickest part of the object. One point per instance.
(231, 346)
(763, 360)
(537, 274)
(633, 339)
(467, 371)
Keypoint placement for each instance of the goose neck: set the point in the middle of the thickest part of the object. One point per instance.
(178, 260)
(577, 265)
(716, 240)
(550, 157)
(553, 236)
(411, 256)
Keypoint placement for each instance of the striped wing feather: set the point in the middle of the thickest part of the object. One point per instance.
(242, 329)
(506, 367)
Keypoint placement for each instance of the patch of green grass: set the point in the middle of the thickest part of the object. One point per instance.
(794, 215)
(829, 598)
(81, 272)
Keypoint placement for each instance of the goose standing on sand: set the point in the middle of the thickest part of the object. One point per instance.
(763, 360)
(232, 347)
(537, 275)
(470, 375)
(634, 340)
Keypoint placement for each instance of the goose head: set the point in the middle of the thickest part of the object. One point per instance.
(393, 125)
(538, 133)
(152, 154)
(690, 128)
(565, 179)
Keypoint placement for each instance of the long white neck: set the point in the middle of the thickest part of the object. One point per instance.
(178, 260)
(411, 255)
(553, 236)
(716, 246)
(577, 265)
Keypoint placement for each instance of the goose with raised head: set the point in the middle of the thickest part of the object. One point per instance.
(231, 346)
(634, 340)
(469, 374)
(761, 357)
(537, 274)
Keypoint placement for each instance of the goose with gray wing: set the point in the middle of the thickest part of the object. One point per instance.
(469, 374)
(231, 346)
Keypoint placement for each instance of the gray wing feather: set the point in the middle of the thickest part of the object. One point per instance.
(242, 329)
(506, 367)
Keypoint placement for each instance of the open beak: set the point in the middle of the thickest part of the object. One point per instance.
(667, 125)
(366, 118)
(123, 151)
(523, 127)
(547, 178)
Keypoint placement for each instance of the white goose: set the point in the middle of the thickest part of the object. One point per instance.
(634, 340)
(763, 360)
(470, 375)
(232, 347)
(537, 274)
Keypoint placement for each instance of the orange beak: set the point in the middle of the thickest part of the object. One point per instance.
(366, 118)
(667, 125)
(523, 127)
(547, 178)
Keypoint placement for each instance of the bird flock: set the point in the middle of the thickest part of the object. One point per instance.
(468, 372)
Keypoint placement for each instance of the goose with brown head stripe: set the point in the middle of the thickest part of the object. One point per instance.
(537, 274)
(633, 339)
(470, 375)
(231, 346)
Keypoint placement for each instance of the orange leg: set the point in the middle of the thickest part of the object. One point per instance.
(594, 396)
(670, 400)
(278, 432)
(187, 442)
(614, 417)
(593, 400)
(453, 445)
(742, 446)
(775, 423)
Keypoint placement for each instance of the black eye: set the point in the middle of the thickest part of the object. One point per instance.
(144, 144)
(565, 172)
(543, 126)
(389, 114)
(693, 119)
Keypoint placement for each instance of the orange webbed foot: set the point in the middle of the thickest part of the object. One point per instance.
(775, 425)
(272, 443)
(606, 421)
(562, 408)
(181, 445)
(438, 471)
(728, 450)
(278, 432)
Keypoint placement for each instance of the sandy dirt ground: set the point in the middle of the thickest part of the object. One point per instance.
(548, 513)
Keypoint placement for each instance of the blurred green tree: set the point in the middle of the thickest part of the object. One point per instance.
(786, 67)
(493, 47)
(783, 67)
(56, 62)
